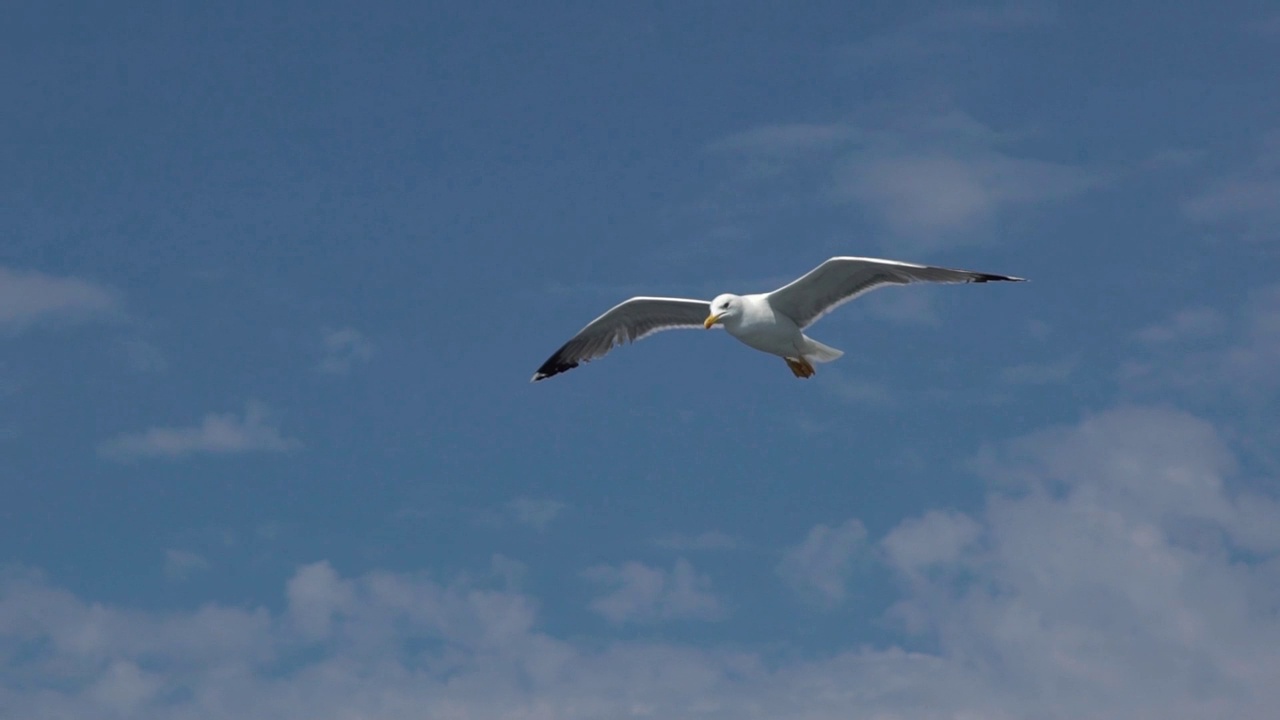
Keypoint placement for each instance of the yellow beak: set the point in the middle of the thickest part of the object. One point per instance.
(712, 319)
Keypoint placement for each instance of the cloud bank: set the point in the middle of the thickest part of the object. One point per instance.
(1118, 568)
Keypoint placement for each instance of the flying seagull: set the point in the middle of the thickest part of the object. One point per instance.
(770, 322)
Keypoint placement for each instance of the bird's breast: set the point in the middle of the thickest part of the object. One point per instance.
(765, 330)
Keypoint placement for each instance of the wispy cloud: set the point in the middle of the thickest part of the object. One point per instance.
(928, 182)
(1041, 373)
(937, 537)
(143, 356)
(641, 593)
(1118, 566)
(710, 540)
(29, 297)
(1176, 158)
(924, 174)
(216, 434)
(1245, 200)
(915, 306)
(859, 390)
(787, 140)
(938, 41)
(1250, 202)
(316, 595)
(937, 199)
(1004, 15)
(123, 688)
(344, 348)
(1254, 359)
(1208, 351)
(1188, 324)
(181, 564)
(535, 513)
(1268, 27)
(819, 568)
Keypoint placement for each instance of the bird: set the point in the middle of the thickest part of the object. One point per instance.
(772, 322)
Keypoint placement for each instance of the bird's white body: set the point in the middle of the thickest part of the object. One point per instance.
(762, 327)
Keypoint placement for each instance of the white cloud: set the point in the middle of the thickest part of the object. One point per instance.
(786, 140)
(217, 434)
(316, 594)
(143, 356)
(819, 568)
(859, 390)
(939, 181)
(1206, 351)
(1116, 570)
(28, 297)
(946, 197)
(181, 564)
(914, 307)
(934, 538)
(905, 159)
(123, 688)
(533, 513)
(1154, 467)
(1006, 15)
(343, 349)
(1173, 158)
(1254, 358)
(1189, 324)
(1238, 199)
(640, 593)
(1111, 567)
(710, 540)
(938, 41)
(1246, 199)
(1267, 27)
(1041, 373)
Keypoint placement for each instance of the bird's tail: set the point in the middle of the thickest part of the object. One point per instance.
(816, 351)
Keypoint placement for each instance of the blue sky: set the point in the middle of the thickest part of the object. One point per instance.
(274, 277)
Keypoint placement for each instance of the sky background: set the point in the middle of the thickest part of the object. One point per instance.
(274, 278)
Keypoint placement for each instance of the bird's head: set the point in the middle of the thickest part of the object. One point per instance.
(726, 306)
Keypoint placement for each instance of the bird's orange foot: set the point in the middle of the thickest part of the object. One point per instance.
(800, 367)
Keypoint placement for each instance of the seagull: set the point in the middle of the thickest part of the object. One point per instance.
(772, 322)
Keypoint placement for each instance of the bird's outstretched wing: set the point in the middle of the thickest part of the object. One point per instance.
(626, 322)
(841, 279)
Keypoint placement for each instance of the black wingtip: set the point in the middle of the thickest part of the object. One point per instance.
(554, 365)
(988, 277)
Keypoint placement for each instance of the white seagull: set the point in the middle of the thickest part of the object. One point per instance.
(770, 322)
